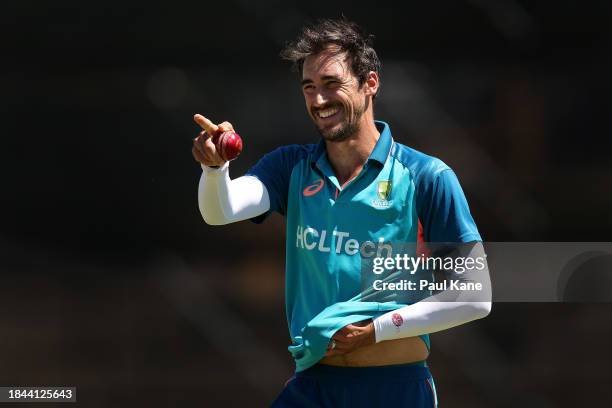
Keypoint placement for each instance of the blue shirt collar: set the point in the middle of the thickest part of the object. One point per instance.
(384, 143)
(379, 153)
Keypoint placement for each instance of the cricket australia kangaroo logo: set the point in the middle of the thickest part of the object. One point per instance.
(383, 191)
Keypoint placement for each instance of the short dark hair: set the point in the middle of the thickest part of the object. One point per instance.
(347, 35)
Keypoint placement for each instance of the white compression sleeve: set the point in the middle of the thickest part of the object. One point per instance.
(223, 201)
(442, 311)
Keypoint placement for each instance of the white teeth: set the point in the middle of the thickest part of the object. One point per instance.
(328, 112)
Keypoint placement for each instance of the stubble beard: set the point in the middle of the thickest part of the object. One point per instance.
(347, 129)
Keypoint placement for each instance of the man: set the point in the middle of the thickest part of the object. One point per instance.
(345, 199)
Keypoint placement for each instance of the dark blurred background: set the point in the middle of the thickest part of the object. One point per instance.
(112, 282)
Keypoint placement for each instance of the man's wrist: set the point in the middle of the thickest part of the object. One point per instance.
(215, 169)
(385, 328)
(377, 329)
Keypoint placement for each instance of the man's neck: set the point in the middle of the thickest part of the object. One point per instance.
(348, 157)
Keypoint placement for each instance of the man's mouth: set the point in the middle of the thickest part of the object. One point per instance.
(327, 113)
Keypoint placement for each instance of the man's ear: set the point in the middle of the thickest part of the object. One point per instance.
(371, 84)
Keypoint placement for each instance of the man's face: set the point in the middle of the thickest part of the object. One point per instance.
(334, 99)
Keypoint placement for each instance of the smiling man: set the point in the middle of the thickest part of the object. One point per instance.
(345, 199)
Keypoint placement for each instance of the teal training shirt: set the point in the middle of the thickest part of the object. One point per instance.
(330, 227)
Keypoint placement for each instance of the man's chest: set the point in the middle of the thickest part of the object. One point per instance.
(377, 204)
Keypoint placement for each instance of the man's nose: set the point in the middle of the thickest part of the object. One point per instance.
(320, 99)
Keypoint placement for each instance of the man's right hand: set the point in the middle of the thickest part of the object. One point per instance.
(204, 150)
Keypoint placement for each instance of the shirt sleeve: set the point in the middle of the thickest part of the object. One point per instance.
(444, 211)
(274, 171)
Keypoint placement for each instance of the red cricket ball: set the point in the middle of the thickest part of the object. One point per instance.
(228, 144)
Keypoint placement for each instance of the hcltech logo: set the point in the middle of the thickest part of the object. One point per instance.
(383, 191)
(340, 242)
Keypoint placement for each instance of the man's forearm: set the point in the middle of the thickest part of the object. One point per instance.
(223, 201)
(428, 316)
(441, 311)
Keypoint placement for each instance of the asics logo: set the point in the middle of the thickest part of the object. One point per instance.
(314, 188)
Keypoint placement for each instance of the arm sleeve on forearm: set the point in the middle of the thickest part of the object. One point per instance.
(441, 311)
(223, 201)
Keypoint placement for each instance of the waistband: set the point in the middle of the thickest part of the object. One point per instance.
(403, 372)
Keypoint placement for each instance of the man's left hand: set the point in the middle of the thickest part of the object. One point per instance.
(350, 338)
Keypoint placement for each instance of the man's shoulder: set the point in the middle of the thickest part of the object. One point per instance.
(284, 158)
(422, 166)
(297, 149)
(290, 155)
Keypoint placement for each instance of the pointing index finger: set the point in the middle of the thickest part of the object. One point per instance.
(205, 124)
